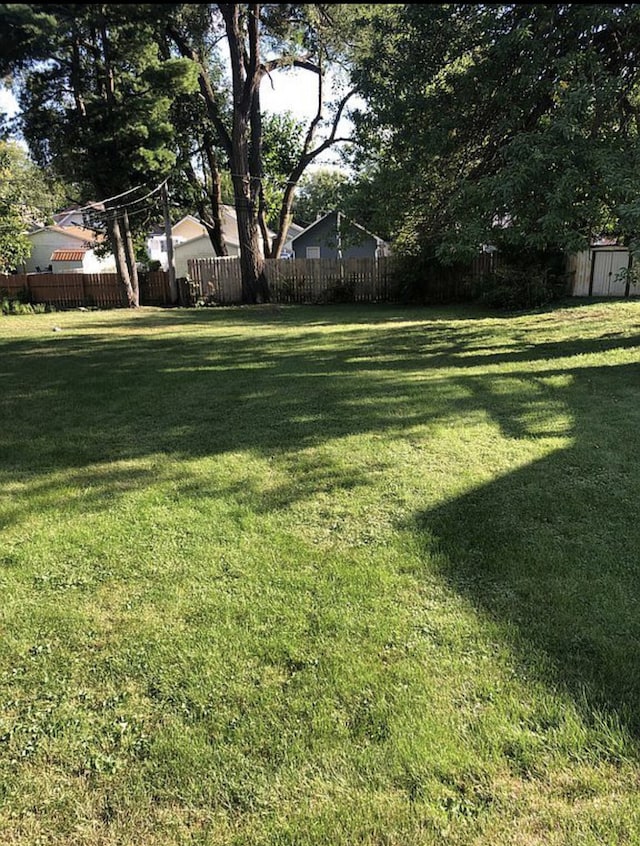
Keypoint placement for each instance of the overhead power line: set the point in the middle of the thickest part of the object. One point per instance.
(108, 200)
(110, 209)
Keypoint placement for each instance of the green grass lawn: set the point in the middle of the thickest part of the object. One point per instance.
(325, 576)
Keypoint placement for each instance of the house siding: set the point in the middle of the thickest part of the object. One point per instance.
(324, 234)
(44, 243)
(188, 228)
(198, 248)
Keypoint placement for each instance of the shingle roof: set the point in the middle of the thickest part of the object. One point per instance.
(87, 236)
(68, 255)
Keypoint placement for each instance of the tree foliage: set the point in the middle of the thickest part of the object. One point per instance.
(95, 99)
(514, 123)
(281, 149)
(14, 245)
(28, 196)
(319, 192)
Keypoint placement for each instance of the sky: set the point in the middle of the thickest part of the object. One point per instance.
(291, 91)
(296, 91)
(7, 101)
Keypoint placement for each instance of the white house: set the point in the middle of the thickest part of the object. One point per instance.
(201, 247)
(69, 249)
(198, 248)
(186, 229)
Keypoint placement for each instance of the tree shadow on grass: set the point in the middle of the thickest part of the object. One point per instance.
(85, 397)
(74, 401)
(551, 551)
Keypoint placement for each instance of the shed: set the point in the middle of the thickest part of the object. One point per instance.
(599, 271)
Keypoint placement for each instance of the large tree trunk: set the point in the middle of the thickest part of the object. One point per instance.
(122, 267)
(246, 74)
(255, 288)
(130, 256)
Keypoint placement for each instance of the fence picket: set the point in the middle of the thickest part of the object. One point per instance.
(297, 280)
(74, 290)
(363, 280)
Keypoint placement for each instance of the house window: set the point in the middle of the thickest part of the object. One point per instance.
(163, 245)
(313, 252)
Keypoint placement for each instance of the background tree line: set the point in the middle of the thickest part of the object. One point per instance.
(514, 125)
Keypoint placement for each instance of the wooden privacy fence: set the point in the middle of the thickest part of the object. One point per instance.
(73, 290)
(361, 280)
(299, 280)
(218, 281)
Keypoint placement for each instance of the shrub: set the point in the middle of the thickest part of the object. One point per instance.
(341, 291)
(516, 285)
(424, 279)
(16, 306)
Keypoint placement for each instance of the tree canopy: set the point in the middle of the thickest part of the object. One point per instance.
(320, 191)
(95, 96)
(505, 123)
(28, 197)
(104, 90)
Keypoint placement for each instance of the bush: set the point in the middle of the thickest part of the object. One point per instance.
(341, 291)
(424, 280)
(17, 306)
(18, 302)
(517, 289)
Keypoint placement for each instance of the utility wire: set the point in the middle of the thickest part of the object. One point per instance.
(110, 209)
(108, 200)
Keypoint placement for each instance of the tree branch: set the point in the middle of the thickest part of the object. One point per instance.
(206, 89)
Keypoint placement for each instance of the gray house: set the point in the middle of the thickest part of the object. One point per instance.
(335, 236)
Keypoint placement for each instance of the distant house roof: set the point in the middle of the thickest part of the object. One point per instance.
(158, 230)
(68, 255)
(77, 232)
(231, 240)
(192, 218)
(66, 215)
(351, 222)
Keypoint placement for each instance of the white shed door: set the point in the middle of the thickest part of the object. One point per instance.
(607, 265)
